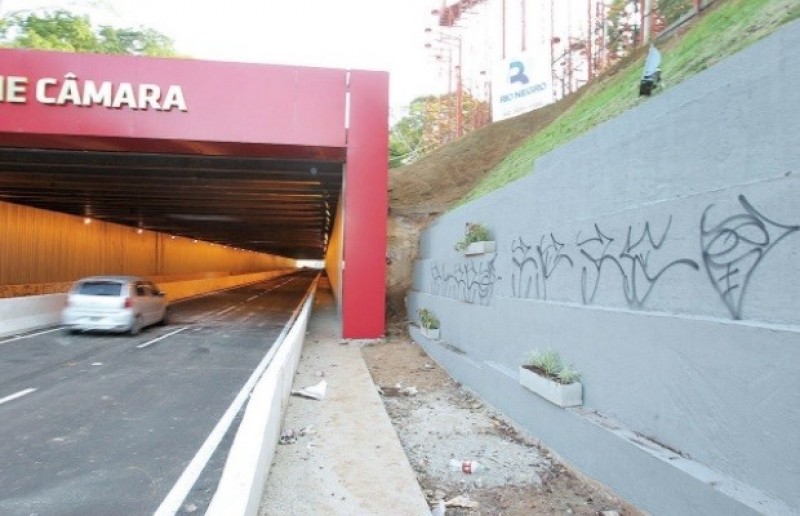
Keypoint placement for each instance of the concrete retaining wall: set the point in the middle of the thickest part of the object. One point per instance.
(21, 314)
(659, 255)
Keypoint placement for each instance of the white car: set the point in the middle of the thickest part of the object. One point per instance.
(115, 304)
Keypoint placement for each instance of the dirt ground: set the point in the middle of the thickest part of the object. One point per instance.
(437, 420)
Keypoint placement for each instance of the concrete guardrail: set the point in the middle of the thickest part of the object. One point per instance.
(241, 486)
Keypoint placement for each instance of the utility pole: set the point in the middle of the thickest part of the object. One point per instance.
(590, 35)
(602, 52)
(459, 95)
(569, 65)
(449, 40)
(646, 20)
(522, 7)
(503, 31)
(569, 48)
(553, 49)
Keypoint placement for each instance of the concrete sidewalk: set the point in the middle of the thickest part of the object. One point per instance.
(352, 462)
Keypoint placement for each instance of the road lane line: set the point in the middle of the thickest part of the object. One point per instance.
(29, 335)
(16, 395)
(151, 342)
(174, 499)
(223, 312)
(237, 305)
(277, 286)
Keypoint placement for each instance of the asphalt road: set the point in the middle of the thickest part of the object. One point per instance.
(105, 425)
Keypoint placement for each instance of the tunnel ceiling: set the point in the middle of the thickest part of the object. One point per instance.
(271, 205)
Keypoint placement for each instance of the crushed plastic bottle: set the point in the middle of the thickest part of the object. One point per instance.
(465, 466)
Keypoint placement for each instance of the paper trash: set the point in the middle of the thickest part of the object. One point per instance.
(315, 392)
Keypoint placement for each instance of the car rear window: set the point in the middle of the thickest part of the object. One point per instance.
(100, 288)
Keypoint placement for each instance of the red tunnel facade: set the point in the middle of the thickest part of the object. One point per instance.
(124, 103)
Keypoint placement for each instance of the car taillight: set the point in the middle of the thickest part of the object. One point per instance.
(128, 303)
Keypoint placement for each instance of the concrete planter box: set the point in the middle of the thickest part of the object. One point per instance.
(482, 247)
(570, 395)
(431, 333)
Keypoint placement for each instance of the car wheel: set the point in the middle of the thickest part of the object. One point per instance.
(136, 327)
(165, 319)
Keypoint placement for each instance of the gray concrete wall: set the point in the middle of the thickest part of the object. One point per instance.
(658, 254)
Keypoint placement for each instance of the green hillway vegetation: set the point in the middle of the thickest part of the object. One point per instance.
(718, 33)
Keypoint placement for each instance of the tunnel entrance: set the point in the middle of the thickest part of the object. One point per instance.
(286, 161)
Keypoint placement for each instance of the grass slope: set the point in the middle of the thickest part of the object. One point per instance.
(723, 31)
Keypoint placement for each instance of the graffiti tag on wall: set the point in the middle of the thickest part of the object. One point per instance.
(533, 267)
(626, 258)
(633, 257)
(471, 282)
(733, 248)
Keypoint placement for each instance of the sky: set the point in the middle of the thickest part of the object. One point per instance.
(384, 35)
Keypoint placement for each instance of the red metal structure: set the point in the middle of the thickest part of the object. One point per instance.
(450, 14)
(187, 108)
(366, 206)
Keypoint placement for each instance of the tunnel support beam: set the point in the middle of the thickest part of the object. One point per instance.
(366, 203)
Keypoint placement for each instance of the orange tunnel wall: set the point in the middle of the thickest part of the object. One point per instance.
(333, 256)
(38, 246)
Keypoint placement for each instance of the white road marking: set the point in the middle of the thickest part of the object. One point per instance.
(174, 499)
(225, 311)
(16, 395)
(237, 305)
(29, 335)
(151, 342)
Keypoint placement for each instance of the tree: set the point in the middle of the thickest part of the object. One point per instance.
(65, 31)
(431, 123)
(406, 136)
(622, 28)
(672, 10)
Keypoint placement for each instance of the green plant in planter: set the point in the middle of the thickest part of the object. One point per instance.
(548, 361)
(568, 374)
(549, 364)
(473, 232)
(427, 319)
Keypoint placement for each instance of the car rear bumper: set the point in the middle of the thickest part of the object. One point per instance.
(81, 321)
